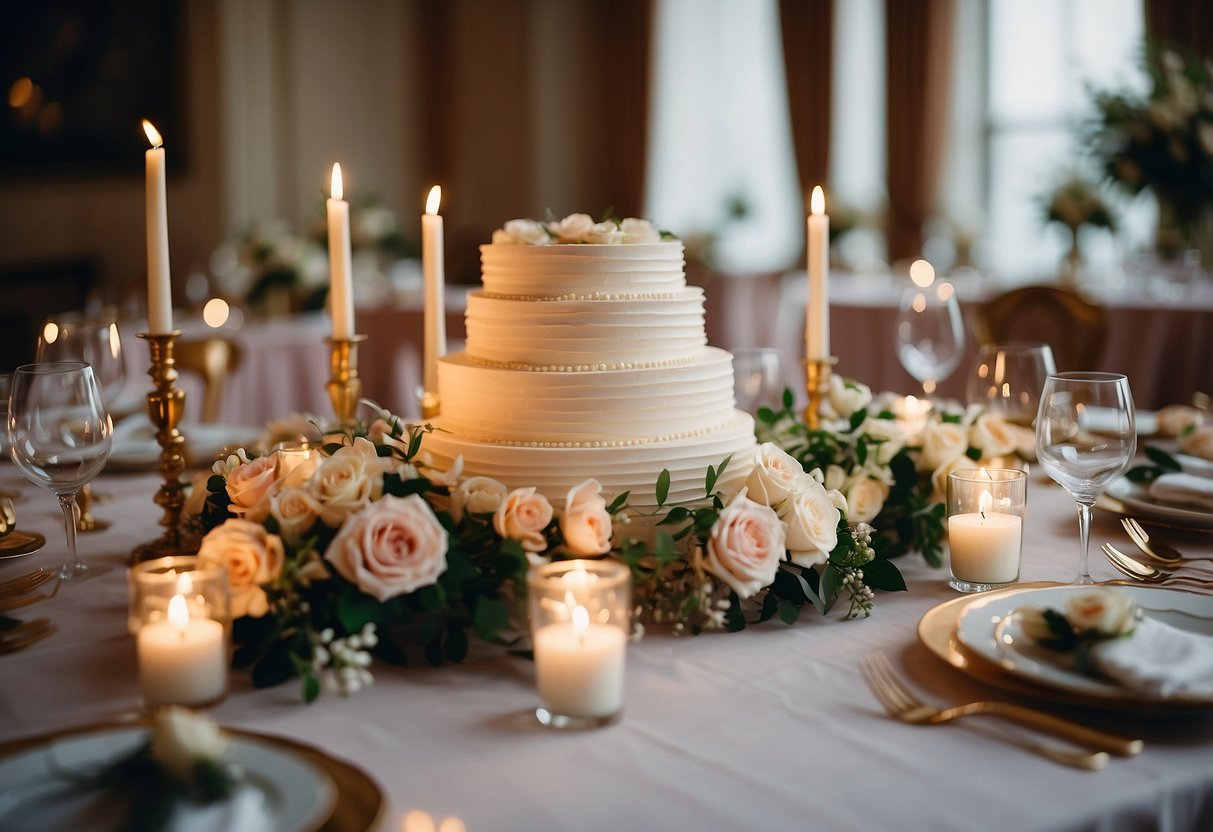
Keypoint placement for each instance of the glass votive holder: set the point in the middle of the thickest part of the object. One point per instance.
(580, 613)
(296, 463)
(985, 527)
(180, 615)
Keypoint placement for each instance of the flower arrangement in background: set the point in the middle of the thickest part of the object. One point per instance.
(273, 270)
(1076, 203)
(1163, 142)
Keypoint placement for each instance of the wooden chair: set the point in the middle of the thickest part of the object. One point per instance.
(213, 359)
(1073, 326)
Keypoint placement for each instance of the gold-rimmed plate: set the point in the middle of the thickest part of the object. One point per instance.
(18, 544)
(1135, 499)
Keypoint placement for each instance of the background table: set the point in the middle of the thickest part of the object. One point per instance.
(771, 728)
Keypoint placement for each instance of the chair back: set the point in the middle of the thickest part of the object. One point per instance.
(1074, 327)
(213, 359)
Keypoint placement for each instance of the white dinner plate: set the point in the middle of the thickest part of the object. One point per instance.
(34, 794)
(136, 448)
(1137, 500)
(989, 627)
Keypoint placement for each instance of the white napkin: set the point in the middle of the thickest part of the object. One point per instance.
(1158, 660)
(1195, 465)
(1185, 490)
(244, 811)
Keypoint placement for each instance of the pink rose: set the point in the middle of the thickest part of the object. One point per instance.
(392, 548)
(585, 524)
(522, 516)
(252, 557)
(746, 545)
(249, 486)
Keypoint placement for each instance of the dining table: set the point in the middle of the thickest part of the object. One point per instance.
(769, 728)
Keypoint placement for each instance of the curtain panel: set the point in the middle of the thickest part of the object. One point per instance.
(807, 29)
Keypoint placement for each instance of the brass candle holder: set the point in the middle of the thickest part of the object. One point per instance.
(165, 406)
(430, 405)
(344, 387)
(817, 373)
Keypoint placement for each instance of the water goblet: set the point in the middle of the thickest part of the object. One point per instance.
(1081, 456)
(1008, 379)
(60, 435)
(758, 379)
(930, 333)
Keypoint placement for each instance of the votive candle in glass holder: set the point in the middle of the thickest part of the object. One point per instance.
(580, 619)
(985, 527)
(296, 463)
(180, 615)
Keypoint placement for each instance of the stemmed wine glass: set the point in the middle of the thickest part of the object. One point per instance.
(930, 333)
(95, 340)
(1008, 379)
(1073, 454)
(60, 435)
(758, 378)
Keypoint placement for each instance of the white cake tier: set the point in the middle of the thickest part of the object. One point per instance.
(634, 469)
(582, 271)
(601, 408)
(585, 333)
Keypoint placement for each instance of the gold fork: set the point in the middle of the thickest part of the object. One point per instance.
(14, 602)
(902, 704)
(1145, 573)
(23, 635)
(25, 583)
(1156, 549)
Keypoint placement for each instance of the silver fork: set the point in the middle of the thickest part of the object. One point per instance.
(1156, 549)
(902, 704)
(1145, 573)
(23, 635)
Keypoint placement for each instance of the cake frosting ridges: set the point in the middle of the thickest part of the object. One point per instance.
(549, 271)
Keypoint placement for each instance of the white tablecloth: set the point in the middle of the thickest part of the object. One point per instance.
(768, 729)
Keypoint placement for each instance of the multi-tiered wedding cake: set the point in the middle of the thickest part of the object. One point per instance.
(587, 357)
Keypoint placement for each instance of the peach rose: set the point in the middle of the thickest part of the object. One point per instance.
(745, 545)
(296, 511)
(392, 548)
(939, 478)
(865, 499)
(249, 487)
(347, 482)
(1102, 611)
(585, 524)
(522, 516)
(992, 435)
(477, 495)
(252, 556)
(1198, 442)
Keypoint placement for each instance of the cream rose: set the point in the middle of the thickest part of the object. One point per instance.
(940, 442)
(893, 440)
(745, 545)
(296, 511)
(939, 477)
(585, 524)
(812, 525)
(477, 495)
(1198, 442)
(181, 738)
(847, 397)
(865, 498)
(604, 233)
(992, 435)
(522, 516)
(1102, 611)
(572, 228)
(345, 483)
(1174, 419)
(639, 231)
(392, 548)
(249, 487)
(527, 232)
(1035, 625)
(776, 475)
(252, 557)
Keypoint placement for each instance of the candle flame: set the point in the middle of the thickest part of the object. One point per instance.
(581, 619)
(922, 273)
(336, 190)
(431, 201)
(50, 332)
(178, 613)
(984, 502)
(185, 584)
(817, 202)
(153, 135)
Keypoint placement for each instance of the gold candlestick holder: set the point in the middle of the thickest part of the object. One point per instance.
(817, 373)
(165, 406)
(430, 405)
(344, 387)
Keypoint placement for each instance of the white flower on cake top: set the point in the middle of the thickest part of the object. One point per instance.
(577, 229)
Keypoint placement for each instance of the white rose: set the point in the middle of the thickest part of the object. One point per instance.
(847, 397)
(835, 478)
(1102, 611)
(939, 477)
(865, 499)
(252, 557)
(392, 548)
(940, 442)
(585, 524)
(181, 738)
(891, 436)
(1034, 624)
(837, 499)
(745, 545)
(345, 483)
(992, 435)
(249, 486)
(296, 511)
(604, 233)
(812, 525)
(572, 228)
(477, 495)
(523, 515)
(1175, 418)
(639, 231)
(527, 232)
(776, 475)
(1198, 442)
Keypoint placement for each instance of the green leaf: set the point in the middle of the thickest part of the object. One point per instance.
(456, 647)
(355, 609)
(618, 503)
(951, 418)
(275, 666)
(788, 399)
(490, 617)
(415, 442)
(858, 418)
(883, 574)
(216, 483)
(788, 611)
(663, 486)
(831, 583)
(861, 450)
(332, 448)
(665, 550)
(311, 688)
(766, 415)
(678, 514)
(973, 454)
(430, 597)
(720, 469)
(1163, 459)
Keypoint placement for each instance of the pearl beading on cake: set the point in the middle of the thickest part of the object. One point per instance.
(574, 296)
(579, 368)
(617, 443)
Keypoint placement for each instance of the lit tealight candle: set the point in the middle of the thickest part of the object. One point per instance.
(985, 545)
(182, 659)
(579, 666)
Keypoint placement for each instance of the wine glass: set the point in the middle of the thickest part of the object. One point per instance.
(1009, 378)
(95, 340)
(930, 333)
(1073, 407)
(60, 435)
(758, 378)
